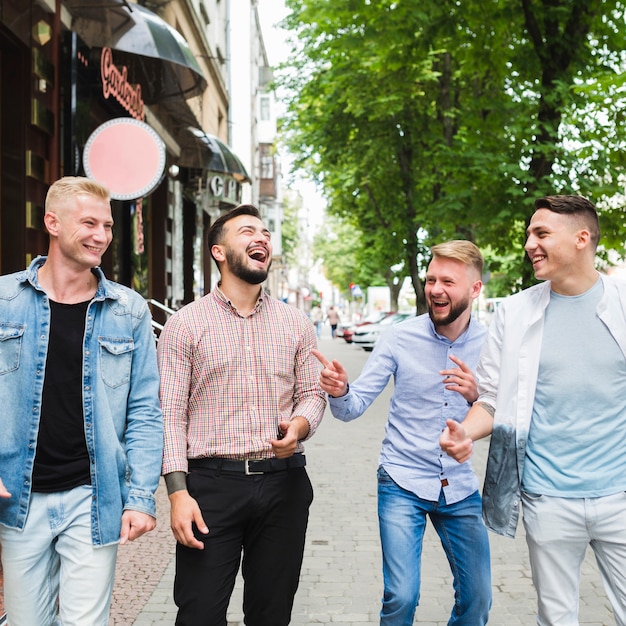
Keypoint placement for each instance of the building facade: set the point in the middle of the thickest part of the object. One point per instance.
(73, 73)
(253, 127)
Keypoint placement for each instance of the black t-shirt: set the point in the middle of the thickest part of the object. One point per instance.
(62, 460)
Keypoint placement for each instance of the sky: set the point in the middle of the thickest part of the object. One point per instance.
(270, 13)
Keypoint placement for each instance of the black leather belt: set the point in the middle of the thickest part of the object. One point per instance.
(249, 466)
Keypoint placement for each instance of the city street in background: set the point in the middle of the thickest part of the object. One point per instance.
(341, 580)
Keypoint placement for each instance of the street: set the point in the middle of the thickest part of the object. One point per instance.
(341, 580)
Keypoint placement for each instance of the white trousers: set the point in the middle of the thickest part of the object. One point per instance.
(558, 531)
(52, 572)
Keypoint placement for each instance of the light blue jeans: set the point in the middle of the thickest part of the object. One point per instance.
(558, 531)
(402, 518)
(53, 560)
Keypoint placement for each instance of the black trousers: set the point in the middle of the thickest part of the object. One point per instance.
(262, 516)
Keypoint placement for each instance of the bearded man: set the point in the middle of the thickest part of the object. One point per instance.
(430, 358)
(240, 393)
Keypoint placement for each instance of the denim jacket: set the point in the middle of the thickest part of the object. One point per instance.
(123, 422)
(507, 378)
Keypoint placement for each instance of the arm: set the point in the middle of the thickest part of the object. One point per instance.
(184, 512)
(457, 440)
(333, 377)
(174, 356)
(297, 429)
(309, 400)
(135, 524)
(143, 434)
(461, 379)
(348, 402)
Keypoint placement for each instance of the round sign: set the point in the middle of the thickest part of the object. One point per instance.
(127, 156)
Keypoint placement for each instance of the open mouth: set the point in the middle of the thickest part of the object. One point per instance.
(258, 254)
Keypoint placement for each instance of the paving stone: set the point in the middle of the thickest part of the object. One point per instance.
(341, 581)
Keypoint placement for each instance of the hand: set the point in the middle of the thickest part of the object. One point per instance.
(290, 433)
(3, 492)
(455, 442)
(333, 378)
(461, 379)
(135, 524)
(183, 514)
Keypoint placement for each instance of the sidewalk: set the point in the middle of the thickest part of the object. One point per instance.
(341, 580)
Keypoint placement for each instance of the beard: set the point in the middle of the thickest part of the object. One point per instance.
(237, 266)
(455, 312)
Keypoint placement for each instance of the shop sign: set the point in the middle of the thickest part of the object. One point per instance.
(115, 83)
(127, 156)
(223, 187)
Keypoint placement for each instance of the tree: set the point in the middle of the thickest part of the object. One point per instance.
(436, 120)
(290, 237)
(350, 256)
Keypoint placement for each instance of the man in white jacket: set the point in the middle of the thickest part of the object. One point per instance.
(552, 393)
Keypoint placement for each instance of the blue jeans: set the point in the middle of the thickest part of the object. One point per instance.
(402, 518)
(52, 559)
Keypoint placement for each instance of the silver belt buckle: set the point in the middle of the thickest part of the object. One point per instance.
(248, 472)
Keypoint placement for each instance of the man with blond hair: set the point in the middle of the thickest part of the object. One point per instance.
(82, 434)
(430, 358)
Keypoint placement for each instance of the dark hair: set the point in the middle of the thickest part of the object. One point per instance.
(576, 206)
(216, 230)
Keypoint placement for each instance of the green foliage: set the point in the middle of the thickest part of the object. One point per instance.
(346, 257)
(431, 120)
(290, 237)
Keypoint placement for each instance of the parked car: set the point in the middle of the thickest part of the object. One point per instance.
(347, 332)
(366, 336)
(341, 328)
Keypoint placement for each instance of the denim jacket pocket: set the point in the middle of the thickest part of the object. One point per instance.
(10, 346)
(116, 356)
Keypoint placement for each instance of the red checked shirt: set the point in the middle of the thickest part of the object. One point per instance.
(227, 380)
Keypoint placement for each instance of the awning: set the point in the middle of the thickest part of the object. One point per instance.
(218, 157)
(167, 63)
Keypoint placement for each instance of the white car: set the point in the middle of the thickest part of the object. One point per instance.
(367, 336)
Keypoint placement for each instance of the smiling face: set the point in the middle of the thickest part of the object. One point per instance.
(81, 231)
(451, 286)
(245, 250)
(553, 243)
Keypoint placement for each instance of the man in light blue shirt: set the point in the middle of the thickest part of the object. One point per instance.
(431, 358)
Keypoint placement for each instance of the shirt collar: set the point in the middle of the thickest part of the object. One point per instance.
(461, 339)
(223, 299)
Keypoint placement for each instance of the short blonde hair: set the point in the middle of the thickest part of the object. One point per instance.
(70, 187)
(460, 250)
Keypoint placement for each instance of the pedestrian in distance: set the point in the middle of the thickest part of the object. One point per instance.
(552, 384)
(317, 317)
(430, 358)
(82, 433)
(240, 393)
(333, 319)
